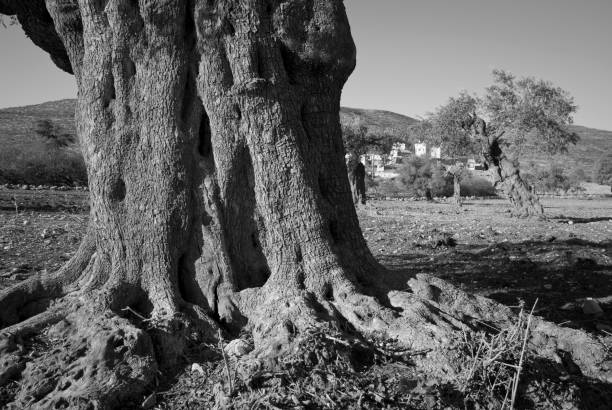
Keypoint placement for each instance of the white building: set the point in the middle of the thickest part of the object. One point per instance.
(420, 149)
(435, 152)
(399, 146)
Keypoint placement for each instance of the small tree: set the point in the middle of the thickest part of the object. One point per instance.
(53, 134)
(457, 171)
(357, 142)
(440, 129)
(602, 172)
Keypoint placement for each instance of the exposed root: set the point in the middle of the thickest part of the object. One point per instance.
(98, 359)
(429, 323)
(94, 357)
(36, 323)
(34, 295)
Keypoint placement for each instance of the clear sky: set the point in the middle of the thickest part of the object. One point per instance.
(414, 54)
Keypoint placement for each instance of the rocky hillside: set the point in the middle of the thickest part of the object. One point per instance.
(17, 124)
(376, 121)
(593, 143)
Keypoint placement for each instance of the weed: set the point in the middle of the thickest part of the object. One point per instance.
(494, 363)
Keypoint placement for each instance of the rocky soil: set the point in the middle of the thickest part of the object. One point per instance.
(562, 262)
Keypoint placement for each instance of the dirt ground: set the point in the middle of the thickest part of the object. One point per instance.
(559, 262)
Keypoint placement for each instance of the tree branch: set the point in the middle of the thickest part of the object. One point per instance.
(39, 27)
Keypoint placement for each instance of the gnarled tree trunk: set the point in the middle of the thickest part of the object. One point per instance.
(456, 189)
(357, 174)
(504, 171)
(219, 198)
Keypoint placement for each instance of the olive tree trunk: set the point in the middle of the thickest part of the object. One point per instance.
(213, 147)
(357, 174)
(504, 172)
(457, 189)
(219, 199)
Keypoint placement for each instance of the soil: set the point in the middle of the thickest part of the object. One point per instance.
(560, 262)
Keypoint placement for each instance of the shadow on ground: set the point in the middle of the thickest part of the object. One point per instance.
(558, 274)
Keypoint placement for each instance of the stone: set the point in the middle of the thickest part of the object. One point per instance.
(238, 348)
(591, 307)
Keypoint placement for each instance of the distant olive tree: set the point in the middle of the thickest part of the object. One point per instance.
(358, 140)
(53, 134)
(513, 116)
(440, 129)
(457, 171)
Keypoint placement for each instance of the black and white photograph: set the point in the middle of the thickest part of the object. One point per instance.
(306, 204)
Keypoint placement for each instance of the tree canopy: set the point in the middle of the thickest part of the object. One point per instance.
(358, 140)
(442, 126)
(528, 113)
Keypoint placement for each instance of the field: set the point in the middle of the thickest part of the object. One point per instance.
(559, 262)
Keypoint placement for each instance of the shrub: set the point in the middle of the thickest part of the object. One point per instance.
(40, 165)
(602, 171)
(418, 174)
(472, 185)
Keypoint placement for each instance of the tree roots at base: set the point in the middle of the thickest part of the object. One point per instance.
(96, 357)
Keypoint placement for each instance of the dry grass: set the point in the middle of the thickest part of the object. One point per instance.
(494, 363)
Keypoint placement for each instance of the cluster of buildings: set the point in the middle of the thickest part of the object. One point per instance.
(385, 165)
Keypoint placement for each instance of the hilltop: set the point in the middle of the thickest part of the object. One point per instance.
(17, 123)
(376, 121)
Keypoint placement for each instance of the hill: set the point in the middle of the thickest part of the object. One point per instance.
(27, 158)
(18, 139)
(376, 121)
(593, 143)
(17, 124)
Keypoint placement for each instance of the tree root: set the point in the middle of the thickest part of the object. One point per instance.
(93, 357)
(98, 359)
(430, 321)
(105, 359)
(33, 295)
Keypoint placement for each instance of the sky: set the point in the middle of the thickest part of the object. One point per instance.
(412, 55)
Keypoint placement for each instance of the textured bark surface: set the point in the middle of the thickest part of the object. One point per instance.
(456, 171)
(457, 190)
(504, 172)
(219, 198)
(357, 175)
(215, 161)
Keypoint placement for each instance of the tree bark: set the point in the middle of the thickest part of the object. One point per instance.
(357, 174)
(219, 198)
(213, 147)
(504, 172)
(457, 189)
